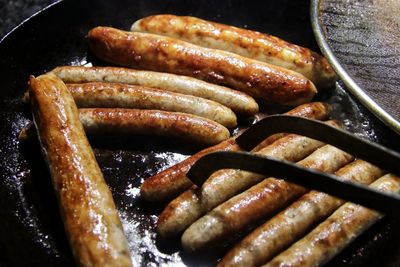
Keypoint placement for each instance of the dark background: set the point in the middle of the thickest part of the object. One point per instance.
(13, 12)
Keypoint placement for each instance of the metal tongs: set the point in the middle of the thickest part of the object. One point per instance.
(389, 160)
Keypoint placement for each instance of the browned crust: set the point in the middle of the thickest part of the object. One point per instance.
(286, 227)
(157, 122)
(239, 102)
(313, 110)
(224, 184)
(336, 232)
(159, 53)
(172, 181)
(242, 41)
(260, 201)
(88, 211)
(120, 95)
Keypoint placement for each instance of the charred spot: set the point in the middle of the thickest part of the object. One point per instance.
(181, 32)
(199, 33)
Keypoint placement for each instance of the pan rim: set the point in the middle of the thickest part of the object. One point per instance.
(28, 19)
(351, 85)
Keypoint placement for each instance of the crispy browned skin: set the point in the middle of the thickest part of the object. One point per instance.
(244, 42)
(173, 181)
(290, 224)
(313, 110)
(157, 122)
(336, 232)
(119, 95)
(239, 102)
(223, 184)
(160, 53)
(256, 203)
(170, 182)
(87, 208)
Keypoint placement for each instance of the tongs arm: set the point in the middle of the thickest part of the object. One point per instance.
(366, 150)
(328, 183)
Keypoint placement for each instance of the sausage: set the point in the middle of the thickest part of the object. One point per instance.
(157, 122)
(90, 217)
(173, 181)
(223, 184)
(244, 42)
(117, 95)
(186, 126)
(313, 110)
(289, 225)
(160, 53)
(256, 203)
(335, 233)
(239, 102)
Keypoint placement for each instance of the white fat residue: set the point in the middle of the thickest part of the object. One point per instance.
(18, 176)
(142, 242)
(132, 191)
(81, 62)
(346, 111)
(169, 159)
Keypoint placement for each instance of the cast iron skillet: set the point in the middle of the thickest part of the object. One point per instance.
(31, 231)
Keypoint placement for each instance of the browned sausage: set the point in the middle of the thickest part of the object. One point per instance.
(313, 110)
(336, 232)
(160, 53)
(239, 102)
(244, 42)
(223, 184)
(289, 225)
(118, 95)
(157, 122)
(87, 208)
(256, 203)
(173, 181)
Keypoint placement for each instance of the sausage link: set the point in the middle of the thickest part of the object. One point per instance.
(186, 126)
(313, 110)
(157, 122)
(87, 208)
(335, 233)
(223, 184)
(244, 42)
(118, 95)
(289, 225)
(160, 53)
(173, 181)
(239, 102)
(256, 203)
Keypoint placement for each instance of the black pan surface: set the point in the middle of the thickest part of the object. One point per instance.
(31, 231)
